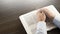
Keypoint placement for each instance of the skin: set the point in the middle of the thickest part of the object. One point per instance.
(48, 13)
(43, 12)
(41, 16)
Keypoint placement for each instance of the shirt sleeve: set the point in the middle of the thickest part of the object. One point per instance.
(56, 20)
(41, 28)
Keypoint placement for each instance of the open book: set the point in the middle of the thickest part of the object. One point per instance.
(29, 20)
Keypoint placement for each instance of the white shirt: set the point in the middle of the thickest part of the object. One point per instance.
(41, 26)
(56, 20)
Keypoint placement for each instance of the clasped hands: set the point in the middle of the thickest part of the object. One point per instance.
(43, 13)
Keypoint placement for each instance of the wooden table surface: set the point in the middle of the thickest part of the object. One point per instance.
(10, 10)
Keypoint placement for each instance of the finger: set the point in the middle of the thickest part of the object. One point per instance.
(44, 15)
(39, 13)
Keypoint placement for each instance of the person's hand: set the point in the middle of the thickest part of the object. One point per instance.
(41, 16)
(48, 13)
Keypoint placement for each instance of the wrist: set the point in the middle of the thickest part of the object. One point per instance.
(41, 20)
(52, 18)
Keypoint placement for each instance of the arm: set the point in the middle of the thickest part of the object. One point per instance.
(41, 25)
(56, 20)
(41, 28)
